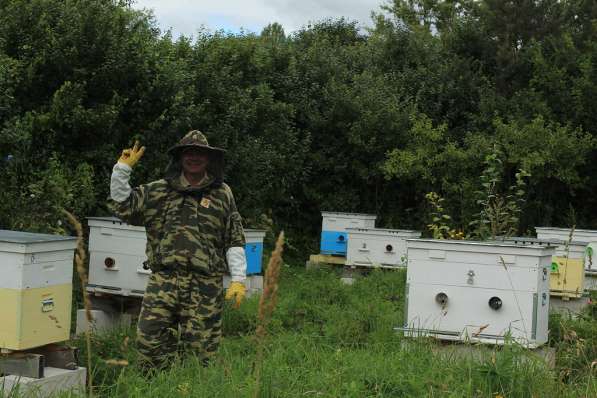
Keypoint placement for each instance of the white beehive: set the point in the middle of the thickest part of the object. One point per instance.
(35, 289)
(478, 291)
(117, 257)
(378, 247)
(334, 228)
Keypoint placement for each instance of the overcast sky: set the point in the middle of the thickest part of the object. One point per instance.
(188, 16)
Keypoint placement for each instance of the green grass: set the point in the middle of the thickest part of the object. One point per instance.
(327, 339)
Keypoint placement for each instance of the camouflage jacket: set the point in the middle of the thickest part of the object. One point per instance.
(186, 226)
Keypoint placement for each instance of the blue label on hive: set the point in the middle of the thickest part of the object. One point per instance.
(254, 252)
(333, 242)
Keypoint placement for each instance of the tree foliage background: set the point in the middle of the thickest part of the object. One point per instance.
(329, 118)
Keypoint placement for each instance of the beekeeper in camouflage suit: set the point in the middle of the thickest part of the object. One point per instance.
(194, 236)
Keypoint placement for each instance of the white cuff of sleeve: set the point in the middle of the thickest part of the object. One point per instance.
(237, 262)
(120, 189)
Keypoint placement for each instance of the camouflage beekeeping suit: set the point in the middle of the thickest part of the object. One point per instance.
(190, 229)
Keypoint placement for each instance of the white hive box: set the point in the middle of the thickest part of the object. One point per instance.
(35, 289)
(461, 290)
(117, 257)
(378, 247)
(334, 227)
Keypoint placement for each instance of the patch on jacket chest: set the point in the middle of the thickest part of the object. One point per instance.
(205, 202)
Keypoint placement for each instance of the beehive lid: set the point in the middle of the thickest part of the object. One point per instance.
(253, 234)
(385, 232)
(348, 215)
(28, 242)
(112, 222)
(580, 234)
(497, 247)
(544, 242)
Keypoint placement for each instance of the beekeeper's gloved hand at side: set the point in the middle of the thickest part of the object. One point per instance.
(236, 291)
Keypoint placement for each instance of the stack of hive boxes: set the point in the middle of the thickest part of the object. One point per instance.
(334, 230)
(35, 289)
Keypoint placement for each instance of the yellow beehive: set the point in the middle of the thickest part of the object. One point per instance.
(35, 290)
(567, 277)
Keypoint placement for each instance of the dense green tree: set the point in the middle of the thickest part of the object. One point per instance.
(328, 118)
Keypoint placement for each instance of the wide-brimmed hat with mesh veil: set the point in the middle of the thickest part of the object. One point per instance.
(196, 139)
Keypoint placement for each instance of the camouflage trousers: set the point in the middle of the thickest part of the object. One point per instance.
(181, 311)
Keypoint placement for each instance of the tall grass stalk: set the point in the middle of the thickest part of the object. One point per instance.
(80, 263)
(567, 255)
(267, 303)
(524, 326)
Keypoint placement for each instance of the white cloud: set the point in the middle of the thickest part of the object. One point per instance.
(188, 16)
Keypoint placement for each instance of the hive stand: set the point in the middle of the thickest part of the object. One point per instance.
(31, 363)
(41, 371)
(109, 311)
(319, 260)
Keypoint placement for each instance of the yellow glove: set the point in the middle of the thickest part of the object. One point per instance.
(237, 291)
(132, 155)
